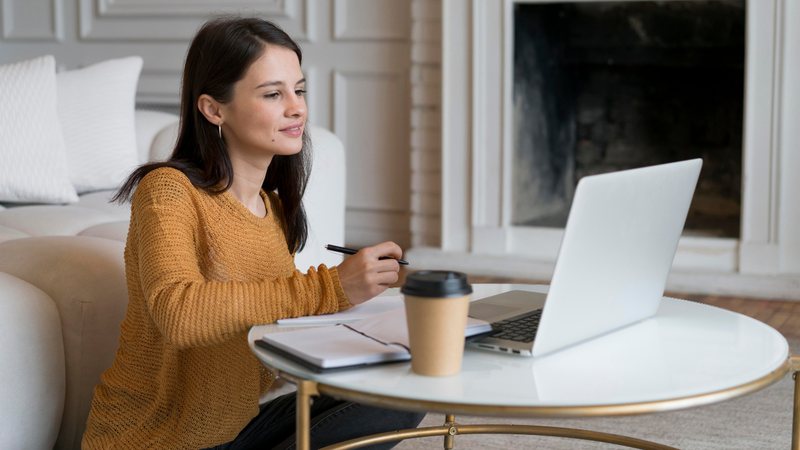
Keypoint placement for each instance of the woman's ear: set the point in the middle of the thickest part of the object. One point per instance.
(210, 108)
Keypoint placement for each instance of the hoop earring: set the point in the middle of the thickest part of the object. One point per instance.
(219, 126)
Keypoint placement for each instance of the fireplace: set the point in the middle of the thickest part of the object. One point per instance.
(606, 86)
(743, 237)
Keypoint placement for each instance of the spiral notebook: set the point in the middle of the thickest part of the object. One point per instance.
(382, 338)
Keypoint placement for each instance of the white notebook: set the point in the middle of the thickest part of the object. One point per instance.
(364, 310)
(379, 339)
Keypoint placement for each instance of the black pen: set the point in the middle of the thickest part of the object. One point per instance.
(351, 251)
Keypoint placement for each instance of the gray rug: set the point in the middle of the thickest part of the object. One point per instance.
(762, 420)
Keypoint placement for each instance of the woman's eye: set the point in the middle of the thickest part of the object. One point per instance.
(272, 95)
(300, 92)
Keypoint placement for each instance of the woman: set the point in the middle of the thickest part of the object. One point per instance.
(210, 254)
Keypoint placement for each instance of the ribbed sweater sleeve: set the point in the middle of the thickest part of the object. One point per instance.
(189, 309)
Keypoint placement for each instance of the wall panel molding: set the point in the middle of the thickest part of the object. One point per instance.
(365, 101)
(371, 19)
(202, 8)
(22, 20)
(159, 86)
(178, 20)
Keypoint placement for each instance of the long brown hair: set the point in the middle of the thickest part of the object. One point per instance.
(218, 57)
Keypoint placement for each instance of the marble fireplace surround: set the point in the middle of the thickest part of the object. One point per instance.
(476, 231)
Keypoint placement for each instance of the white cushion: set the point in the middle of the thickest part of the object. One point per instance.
(33, 166)
(116, 231)
(164, 142)
(100, 201)
(96, 108)
(8, 233)
(150, 126)
(50, 220)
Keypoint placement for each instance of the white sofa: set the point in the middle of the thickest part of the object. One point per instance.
(63, 292)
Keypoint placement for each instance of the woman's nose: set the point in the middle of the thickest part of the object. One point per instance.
(296, 106)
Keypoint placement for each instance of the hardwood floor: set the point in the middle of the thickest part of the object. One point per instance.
(782, 315)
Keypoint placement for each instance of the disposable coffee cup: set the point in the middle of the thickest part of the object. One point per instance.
(437, 304)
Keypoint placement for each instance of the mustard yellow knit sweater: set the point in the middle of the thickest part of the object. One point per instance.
(201, 270)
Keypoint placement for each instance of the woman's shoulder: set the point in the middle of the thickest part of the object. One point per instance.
(165, 175)
(164, 183)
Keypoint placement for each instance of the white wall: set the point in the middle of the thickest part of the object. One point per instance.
(357, 59)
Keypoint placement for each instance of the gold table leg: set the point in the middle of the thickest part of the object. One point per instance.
(796, 413)
(794, 362)
(450, 437)
(305, 390)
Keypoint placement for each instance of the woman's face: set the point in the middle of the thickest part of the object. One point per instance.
(267, 114)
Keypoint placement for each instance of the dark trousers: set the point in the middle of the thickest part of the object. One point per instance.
(332, 421)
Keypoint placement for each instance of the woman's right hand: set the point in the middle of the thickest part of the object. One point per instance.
(364, 275)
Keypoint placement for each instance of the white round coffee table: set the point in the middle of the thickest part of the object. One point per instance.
(688, 355)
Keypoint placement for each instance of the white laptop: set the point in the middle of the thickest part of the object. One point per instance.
(615, 255)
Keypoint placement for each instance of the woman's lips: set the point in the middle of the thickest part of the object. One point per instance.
(293, 130)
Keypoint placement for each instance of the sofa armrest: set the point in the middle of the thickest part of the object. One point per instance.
(151, 140)
(32, 371)
(85, 278)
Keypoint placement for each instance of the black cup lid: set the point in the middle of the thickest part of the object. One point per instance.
(436, 283)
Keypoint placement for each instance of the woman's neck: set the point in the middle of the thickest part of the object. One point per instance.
(247, 180)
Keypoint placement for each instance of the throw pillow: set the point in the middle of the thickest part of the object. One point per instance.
(96, 106)
(33, 165)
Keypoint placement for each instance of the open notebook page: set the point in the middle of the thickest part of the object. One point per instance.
(367, 309)
(390, 327)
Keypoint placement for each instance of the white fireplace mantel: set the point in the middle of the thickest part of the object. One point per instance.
(477, 235)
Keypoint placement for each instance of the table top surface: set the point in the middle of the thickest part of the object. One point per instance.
(687, 349)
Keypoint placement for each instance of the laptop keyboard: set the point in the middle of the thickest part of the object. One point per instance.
(520, 329)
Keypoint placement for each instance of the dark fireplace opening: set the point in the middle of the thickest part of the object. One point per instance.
(605, 86)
